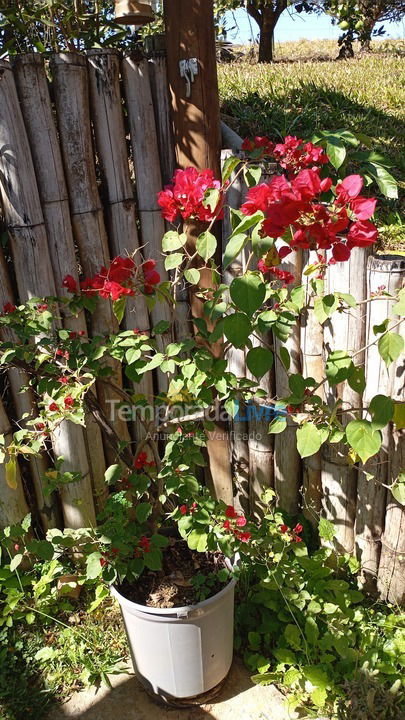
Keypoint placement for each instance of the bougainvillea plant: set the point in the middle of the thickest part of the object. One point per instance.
(154, 483)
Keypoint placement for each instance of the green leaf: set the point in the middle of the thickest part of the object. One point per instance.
(399, 415)
(398, 490)
(173, 241)
(93, 566)
(291, 676)
(233, 248)
(112, 474)
(335, 151)
(153, 559)
(382, 411)
(119, 308)
(298, 295)
(192, 276)
(311, 630)
(285, 357)
(385, 181)
(338, 367)
(206, 245)
(247, 222)
(357, 379)
(293, 636)
(211, 198)
(319, 696)
(237, 328)
(399, 307)
(259, 361)
(390, 346)
(155, 362)
(197, 540)
(309, 439)
(326, 529)
(15, 562)
(142, 511)
(325, 306)
(248, 292)
(252, 175)
(277, 425)
(297, 385)
(363, 438)
(229, 166)
(173, 261)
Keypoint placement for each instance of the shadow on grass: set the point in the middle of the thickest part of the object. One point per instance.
(306, 108)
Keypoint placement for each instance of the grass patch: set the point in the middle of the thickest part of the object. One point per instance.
(44, 664)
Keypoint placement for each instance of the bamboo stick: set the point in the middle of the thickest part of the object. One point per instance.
(13, 505)
(24, 403)
(32, 88)
(311, 338)
(148, 176)
(345, 331)
(287, 462)
(71, 90)
(161, 105)
(106, 108)
(29, 249)
(239, 427)
(372, 492)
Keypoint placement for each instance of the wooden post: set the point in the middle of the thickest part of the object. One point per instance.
(32, 88)
(71, 92)
(287, 462)
(372, 492)
(24, 404)
(108, 121)
(29, 249)
(197, 137)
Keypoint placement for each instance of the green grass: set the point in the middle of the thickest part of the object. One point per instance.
(297, 96)
(44, 664)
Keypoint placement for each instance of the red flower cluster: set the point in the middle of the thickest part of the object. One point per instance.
(141, 461)
(294, 533)
(185, 196)
(293, 154)
(144, 544)
(184, 509)
(315, 225)
(108, 283)
(8, 308)
(235, 521)
(259, 146)
(283, 275)
(117, 280)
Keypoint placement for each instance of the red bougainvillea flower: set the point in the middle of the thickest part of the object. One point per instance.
(70, 284)
(283, 528)
(297, 538)
(144, 543)
(184, 196)
(183, 509)
(286, 277)
(40, 426)
(259, 146)
(140, 460)
(53, 407)
(69, 402)
(150, 275)
(103, 562)
(230, 512)
(226, 525)
(362, 234)
(294, 155)
(243, 536)
(298, 528)
(8, 308)
(108, 283)
(42, 307)
(340, 252)
(241, 521)
(63, 380)
(349, 188)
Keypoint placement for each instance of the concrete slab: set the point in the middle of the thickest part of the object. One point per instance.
(239, 700)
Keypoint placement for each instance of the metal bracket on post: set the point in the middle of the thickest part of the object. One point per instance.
(188, 70)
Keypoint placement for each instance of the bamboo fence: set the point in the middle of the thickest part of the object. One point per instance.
(86, 142)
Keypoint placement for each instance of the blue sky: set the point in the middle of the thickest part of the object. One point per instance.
(298, 26)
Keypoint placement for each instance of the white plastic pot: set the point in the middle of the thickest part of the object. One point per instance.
(181, 652)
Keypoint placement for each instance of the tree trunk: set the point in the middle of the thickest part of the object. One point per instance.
(269, 20)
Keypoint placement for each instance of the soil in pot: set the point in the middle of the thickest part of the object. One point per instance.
(172, 586)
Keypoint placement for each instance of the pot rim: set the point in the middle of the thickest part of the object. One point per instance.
(176, 611)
